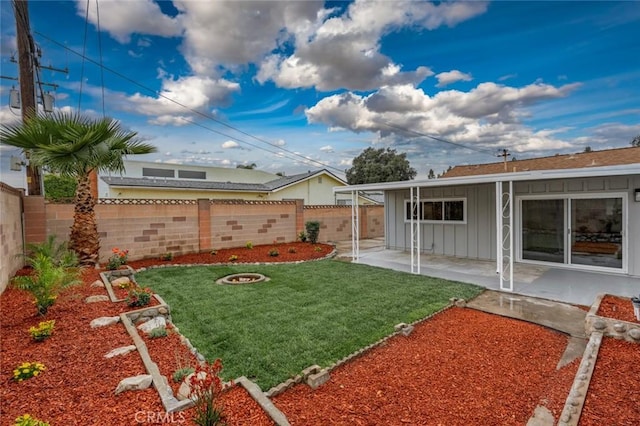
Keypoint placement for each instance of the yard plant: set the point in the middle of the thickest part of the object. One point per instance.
(309, 313)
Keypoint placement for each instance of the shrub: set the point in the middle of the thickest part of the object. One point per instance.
(42, 331)
(117, 259)
(180, 374)
(158, 332)
(28, 420)
(273, 253)
(59, 188)
(166, 256)
(313, 229)
(59, 253)
(46, 281)
(206, 387)
(249, 245)
(233, 258)
(213, 252)
(27, 370)
(302, 236)
(138, 297)
(292, 250)
(318, 249)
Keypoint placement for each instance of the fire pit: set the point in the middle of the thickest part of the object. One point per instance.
(243, 278)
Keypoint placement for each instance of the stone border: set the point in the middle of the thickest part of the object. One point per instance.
(572, 410)
(610, 327)
(278, 389)
(117, 273)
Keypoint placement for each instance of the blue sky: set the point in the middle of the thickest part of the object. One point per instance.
(306, 84)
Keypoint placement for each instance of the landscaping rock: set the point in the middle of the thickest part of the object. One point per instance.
(104, 321)
(155, 322)
(97, 283)
(97, 298)
(318, 379)
(120, 351)
(634, 333)
(140, 382)
(185, 389)
(125, 281)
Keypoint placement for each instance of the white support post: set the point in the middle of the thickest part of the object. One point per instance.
(504, 234)
(355, 228)
(415, 230)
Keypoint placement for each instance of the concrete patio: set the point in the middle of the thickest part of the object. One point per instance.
(564, 285)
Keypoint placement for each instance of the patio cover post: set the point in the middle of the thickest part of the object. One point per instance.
(415, 229)
(504, 234)
(355, 228)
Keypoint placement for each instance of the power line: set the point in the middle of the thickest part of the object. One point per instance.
(194, 111)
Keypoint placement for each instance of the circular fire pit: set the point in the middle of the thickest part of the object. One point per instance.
(243, 278)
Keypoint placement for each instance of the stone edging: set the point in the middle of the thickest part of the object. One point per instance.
(610, 327)
(575, 400)
(278, 389)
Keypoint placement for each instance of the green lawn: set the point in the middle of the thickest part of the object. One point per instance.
(309, 313)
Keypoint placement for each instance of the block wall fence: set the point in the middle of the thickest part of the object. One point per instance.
(148, 228)
(11, 241)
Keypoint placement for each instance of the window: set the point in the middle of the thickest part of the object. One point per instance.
(150, 172)
(433, 211)
(189, 174)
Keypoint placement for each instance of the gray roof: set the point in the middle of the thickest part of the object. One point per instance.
(273, 185)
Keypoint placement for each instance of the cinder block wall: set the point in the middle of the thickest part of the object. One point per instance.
(235, 222)
(335, 221)
(11, 243)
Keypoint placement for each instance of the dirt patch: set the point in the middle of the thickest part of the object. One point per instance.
(617, 307)
(461, 367)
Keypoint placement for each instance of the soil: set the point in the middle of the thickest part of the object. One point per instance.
(617, 307)
(462, 367)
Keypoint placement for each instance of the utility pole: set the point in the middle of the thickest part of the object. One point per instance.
(26, 58)
(505, 154)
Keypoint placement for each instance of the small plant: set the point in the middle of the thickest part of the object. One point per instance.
(302, 236)
(180, 374)
(313, 229)
(59, 253)
(213, 252)
(166, 256)
(273, 253)
(249, 245)
(233, 258)
(206, 387)
(117, 259)
(292, 250)
(42, 331)
(125, 284)
(29, 420)
(138, 297)
(46, 281)
(27, 370)
(318, 249)
(158, 332)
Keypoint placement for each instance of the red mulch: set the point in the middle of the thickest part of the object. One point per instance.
(617, 307)
(463, 367)
(614, 391)
(303, 251)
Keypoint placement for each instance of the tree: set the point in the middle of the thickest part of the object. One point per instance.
(247, 166)
(73, 145)
(58, 188)
(587, 149)
(635, 141)
(431, 175)
(380, 165)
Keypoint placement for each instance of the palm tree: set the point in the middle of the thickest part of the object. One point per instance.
(74, 145)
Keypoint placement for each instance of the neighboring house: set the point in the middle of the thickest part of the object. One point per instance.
(173, 181)
(578, 211)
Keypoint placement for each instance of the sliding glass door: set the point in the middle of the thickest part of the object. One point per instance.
(576, 230)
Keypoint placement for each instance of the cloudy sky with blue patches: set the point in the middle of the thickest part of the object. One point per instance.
(294, 86)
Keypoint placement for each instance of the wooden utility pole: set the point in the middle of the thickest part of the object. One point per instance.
(505, 154)
(26, 64)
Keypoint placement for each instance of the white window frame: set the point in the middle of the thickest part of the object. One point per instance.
(407, 206)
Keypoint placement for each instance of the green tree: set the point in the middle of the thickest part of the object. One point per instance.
(635, 141)
(73, 145)
(380, 165)
(587, 149)
(431, 175)
(58, 187)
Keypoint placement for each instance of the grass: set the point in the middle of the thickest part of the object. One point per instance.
(309, 313)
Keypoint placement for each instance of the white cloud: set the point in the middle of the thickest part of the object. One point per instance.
(327, 149)
(280, 142)
(490, 115)
(122, 18)
(230, 145)
(344, 51)
(446, 78)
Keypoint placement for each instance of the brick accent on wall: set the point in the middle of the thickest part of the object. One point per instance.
(11, 244)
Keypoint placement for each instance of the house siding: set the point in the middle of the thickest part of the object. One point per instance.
(476, 238)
